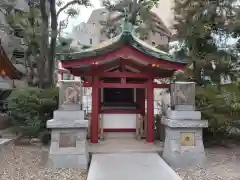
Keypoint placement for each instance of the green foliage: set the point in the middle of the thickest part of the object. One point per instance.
(159, 128)
(197, 21)
(27, 25)
(220, 108)
(204, 27)
(30, 108)
(133, 11)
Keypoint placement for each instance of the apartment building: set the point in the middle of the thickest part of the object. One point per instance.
(86, 35)
(89, 33)
(12, 42)
(165, 11)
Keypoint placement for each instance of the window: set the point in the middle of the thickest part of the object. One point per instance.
(18, 54)
(94, 24)
(153, 43)
(103, 22)
(153, 32)
(18, 11)
(90, 40)
(103, 13)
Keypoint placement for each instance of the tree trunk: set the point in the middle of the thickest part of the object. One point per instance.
(30, 65)
(41, 63)
(52, 51)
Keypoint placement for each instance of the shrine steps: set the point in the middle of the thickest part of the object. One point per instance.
(119, 135)
(125, 145)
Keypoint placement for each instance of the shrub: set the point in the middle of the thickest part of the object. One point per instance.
(45, 137)
(30, 108)
(159, 128)
(220, 108)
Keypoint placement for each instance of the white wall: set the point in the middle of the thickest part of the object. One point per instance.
(119, 121)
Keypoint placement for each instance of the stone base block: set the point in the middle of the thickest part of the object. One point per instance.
(5, 146)
(179, 107)
(183, 147)
(68, 147)
(70, 107)
(68, 161)
(184, 115)
(184, 123)
(70, 124)
(68, 115)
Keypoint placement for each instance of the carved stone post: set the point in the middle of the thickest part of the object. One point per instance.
(69, 129)
(183, 141)
(70, 95)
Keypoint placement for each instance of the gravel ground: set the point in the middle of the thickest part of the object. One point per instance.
(221, 164)
(26, 163)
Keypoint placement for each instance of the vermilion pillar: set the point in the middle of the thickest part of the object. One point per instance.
(95, 110)
(142, 94)
(141, 100)
(150, 112)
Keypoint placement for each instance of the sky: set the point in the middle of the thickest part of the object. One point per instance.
(83, 15)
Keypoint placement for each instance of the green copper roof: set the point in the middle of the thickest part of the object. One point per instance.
(127, 37)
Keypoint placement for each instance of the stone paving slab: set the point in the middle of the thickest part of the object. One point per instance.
(130, 166)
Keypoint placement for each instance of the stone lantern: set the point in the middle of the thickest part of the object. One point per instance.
(183, 96)
(183, 141)
(68, 148)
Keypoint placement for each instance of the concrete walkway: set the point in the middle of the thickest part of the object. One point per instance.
(130, 166)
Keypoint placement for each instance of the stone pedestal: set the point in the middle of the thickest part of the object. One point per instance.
(68, 147)
(183, 141)
(6, 145)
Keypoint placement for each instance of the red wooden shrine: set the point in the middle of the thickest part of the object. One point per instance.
(124, 62)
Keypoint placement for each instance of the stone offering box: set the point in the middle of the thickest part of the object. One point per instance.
(183, 126)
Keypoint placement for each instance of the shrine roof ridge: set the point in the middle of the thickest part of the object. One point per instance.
(126, 37)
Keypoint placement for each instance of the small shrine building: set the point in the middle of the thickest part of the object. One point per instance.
(121, 72)
(8, 73)
(7, 69)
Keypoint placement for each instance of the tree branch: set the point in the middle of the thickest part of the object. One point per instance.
(80, 2)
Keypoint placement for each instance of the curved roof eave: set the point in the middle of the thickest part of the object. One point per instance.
(126, 37)
(16, 73)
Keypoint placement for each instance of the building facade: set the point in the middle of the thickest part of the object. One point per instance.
(12, 43)
(165, 11)
(90, 33)
(85, 34)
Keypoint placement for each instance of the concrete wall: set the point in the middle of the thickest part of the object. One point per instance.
(86, 34)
